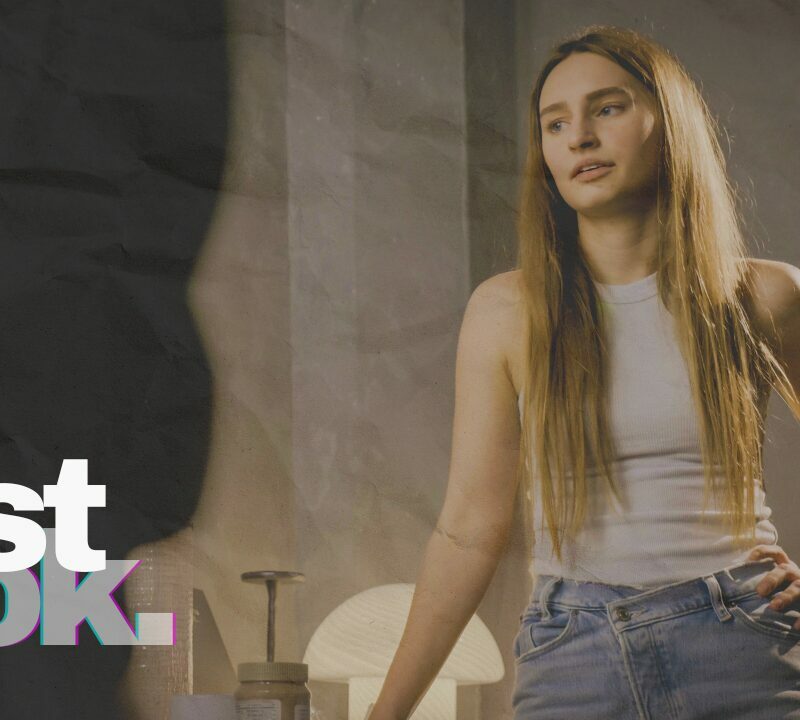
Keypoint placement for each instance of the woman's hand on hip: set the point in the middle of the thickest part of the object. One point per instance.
(786, 571)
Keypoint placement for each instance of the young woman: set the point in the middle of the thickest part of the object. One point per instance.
(622, 373)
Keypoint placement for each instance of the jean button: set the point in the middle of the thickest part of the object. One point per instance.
(623, 614)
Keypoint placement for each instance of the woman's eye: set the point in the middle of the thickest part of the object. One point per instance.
(552, 127)
(605, 107)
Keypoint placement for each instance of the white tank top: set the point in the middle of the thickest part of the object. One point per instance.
(656, 536)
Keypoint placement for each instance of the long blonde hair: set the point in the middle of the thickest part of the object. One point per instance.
(703, 279)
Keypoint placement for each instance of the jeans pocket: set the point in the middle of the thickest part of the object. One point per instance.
(752, 611)
(538, 634)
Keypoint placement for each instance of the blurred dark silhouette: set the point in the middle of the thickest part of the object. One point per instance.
(112, 139)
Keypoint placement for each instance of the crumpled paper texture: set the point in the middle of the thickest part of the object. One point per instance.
(113, 134)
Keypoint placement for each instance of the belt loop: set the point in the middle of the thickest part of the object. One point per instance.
(717, 600)
(543, 596)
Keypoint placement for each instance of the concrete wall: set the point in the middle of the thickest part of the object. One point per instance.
(331, 295)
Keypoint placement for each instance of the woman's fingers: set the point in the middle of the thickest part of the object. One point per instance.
(786, 570)
(776, 577)
(790, 595)
(776, 552)
(770, 581)
(778, 574)
(781, 574)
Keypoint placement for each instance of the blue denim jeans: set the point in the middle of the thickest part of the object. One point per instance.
(703, 648)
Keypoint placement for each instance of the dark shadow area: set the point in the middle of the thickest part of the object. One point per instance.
(112, 138)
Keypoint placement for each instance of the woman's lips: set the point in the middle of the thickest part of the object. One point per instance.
(587, 175)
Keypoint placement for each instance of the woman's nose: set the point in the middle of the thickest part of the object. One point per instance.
(582, 135)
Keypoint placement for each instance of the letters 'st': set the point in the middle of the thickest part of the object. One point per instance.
(71, 496)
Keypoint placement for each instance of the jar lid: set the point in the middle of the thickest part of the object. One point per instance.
(272, 672)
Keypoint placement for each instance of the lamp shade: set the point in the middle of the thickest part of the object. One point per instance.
(356, 643)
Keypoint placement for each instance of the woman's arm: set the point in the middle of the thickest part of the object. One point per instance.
(473, 527)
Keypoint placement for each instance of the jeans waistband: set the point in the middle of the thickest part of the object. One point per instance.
(717, 588)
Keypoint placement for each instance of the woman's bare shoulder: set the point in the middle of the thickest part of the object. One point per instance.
(776, 294)
(500, 297)
(503, 288)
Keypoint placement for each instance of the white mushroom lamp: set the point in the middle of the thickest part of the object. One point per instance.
(356, 642)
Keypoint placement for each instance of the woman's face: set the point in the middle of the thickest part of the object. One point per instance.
(592, 109)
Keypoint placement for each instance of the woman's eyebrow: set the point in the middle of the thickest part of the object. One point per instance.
(602, 92)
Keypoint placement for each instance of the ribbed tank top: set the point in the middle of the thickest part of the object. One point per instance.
(656, 537)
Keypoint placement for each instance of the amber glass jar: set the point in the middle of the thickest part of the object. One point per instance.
(273, 691)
